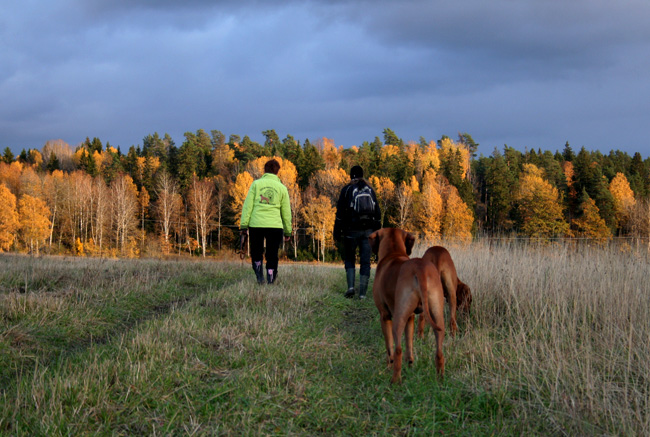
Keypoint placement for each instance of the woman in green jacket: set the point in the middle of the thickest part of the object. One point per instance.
(266, 215)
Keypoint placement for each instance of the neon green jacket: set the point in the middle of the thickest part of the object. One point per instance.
(267, 205)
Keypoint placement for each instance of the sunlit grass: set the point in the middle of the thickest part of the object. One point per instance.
(557, 343)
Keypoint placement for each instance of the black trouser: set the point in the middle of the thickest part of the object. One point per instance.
(352, 240)
(273, 237)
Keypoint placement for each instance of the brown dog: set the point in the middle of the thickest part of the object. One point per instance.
(457, 293)
(401, 285)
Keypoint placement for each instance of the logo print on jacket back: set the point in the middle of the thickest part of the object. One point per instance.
(267, 196)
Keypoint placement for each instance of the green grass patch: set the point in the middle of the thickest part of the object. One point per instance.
(159, 347)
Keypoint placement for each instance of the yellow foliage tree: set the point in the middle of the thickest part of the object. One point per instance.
(385, 192)
(124, 202)
(202, 210)
(287, 174)
(31, 183)
(167, 207)
(10, 176)
(388, 150)
(457, 218)
(591, 225)
(539, 205)
(623, 199)
(448, 149)
(320, 215)
(34, 216)
(36, 158)
(238, 193)
(295, 200)
(404, 201)
(329, 182)
(331, 155)
(223, 159)
(431, 208)
(8, 218)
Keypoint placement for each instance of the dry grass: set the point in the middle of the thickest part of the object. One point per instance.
(557, 343)
(568, 329)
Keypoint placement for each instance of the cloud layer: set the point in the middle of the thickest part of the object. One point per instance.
(528, 74)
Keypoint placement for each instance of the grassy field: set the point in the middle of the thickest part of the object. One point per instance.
(558, 343)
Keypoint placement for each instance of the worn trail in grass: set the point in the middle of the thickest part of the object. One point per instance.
(556, 344)
(199, 348)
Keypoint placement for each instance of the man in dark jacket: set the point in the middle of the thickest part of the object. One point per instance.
(357, 216)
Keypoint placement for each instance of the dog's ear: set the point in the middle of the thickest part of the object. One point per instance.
(373, 239)
(409, 241)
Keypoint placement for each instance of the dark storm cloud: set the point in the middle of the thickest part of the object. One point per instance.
(529, 74)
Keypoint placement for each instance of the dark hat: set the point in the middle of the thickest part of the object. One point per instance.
(356, 172)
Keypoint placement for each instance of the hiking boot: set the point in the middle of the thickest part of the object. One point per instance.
(259, 273)
(271, 275)
(363, 286)
(349, 276)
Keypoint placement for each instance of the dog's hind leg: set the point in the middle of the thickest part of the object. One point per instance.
(450, 286)
(387, 329)
(436, 303)
(421, 324)
(410, 325)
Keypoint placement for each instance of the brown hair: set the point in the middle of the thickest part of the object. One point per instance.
(272, 166)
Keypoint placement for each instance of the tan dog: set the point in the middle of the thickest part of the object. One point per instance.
(457, 293)
(401, 285)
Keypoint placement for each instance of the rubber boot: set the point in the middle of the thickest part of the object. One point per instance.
(259, 271)
(349, 273)
(271, 275)
(363, 286)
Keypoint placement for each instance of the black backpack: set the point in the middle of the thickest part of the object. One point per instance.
(362, 203)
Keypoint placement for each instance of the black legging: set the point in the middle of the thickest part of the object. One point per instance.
(273, 237)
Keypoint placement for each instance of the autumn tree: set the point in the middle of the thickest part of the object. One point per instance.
(238, 193)
(331, 155)
(167, 208)
(8, 218)
(33, 215)
(10, 176)
(457, 217)
(31, 183)
(143, 207)
(319, 215)
(220, 202)
(124, 202)
(538, 205)
(623, 199)
(202, 210)
(385, 192)
(431, 208)
(53, 191)
(589, 177)
(101, 218)
(591, 225)
(640, 220)
(404, 201)
(295, 201)
(330, 181)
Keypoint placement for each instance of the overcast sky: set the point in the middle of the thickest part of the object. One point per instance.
(526, 73)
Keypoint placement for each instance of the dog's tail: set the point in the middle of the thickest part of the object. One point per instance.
(421, 284)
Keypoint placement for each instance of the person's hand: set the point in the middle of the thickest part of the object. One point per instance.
(243, 231)
(287, 238)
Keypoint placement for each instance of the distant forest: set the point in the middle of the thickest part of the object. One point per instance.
(160, 198)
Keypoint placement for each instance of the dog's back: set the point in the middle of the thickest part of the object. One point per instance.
(441, 258)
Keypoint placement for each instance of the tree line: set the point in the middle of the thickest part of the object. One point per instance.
(162, 198)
